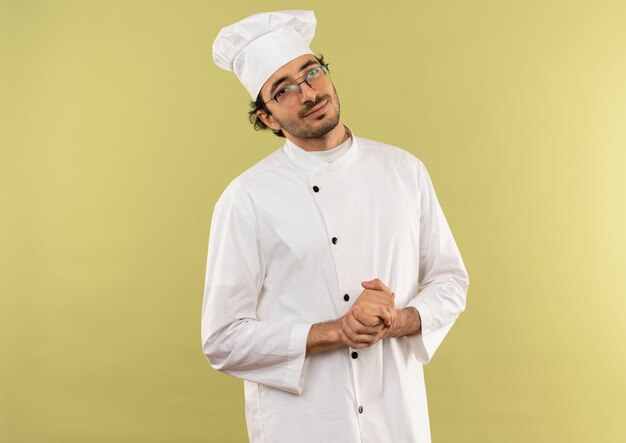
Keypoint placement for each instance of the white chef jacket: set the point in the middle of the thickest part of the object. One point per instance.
(291, 240)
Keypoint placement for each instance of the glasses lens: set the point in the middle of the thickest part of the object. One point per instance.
(318, 77)
(288, 96)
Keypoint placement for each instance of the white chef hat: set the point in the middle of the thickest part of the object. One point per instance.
(257, 46)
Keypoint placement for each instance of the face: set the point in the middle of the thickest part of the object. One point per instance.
(317, 112)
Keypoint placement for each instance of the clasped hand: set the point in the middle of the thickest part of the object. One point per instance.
(372, 317)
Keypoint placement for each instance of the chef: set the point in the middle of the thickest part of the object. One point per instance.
(332, 275)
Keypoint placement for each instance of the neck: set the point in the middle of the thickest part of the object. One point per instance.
(332, 139)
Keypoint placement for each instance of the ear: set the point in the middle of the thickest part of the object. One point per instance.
(268, 119)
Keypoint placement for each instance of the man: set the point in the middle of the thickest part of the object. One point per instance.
(332, 275)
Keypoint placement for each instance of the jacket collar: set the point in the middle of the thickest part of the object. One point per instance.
(312, 166)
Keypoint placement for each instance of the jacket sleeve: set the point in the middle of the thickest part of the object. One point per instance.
(233, 339)
(443, 280)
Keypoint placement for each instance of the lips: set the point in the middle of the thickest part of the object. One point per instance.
(318, 109)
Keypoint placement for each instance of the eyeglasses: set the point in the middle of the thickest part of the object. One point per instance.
(289, 95)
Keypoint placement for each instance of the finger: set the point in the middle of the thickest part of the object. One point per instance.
(364, 317)
(393, 316)
(372, 284)
(385, 296)
(376, 284)
(394, 319)
(361, 326)
(354, 336)
(373, 313)
(384, 313)
(371, 300)
(348, 342)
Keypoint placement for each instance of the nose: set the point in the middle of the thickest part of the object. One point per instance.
(307, 92)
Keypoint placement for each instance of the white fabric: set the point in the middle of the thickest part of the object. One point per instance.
(329, 155)
(257, 46)
(273, 271)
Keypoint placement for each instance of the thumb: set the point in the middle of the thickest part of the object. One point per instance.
(368, 284)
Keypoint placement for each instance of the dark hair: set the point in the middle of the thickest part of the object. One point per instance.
(258, 105)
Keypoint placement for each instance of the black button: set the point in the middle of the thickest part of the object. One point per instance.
(355, 354)
(346, 297)
(360, 409)
(334, 240)
(316, 189)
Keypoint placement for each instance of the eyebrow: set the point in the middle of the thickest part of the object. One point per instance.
(282, 79)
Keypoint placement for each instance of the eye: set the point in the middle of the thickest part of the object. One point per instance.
(313, 72)
(286, 90)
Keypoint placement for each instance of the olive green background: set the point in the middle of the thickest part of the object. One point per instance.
(118, 134)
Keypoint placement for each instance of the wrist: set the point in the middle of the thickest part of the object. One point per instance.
(408, 323)
(332, 332)
(323, 336)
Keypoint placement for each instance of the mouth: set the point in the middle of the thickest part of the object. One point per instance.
(318, 110)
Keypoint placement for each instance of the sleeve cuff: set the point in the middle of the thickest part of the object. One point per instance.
(295, 373)
(431, 335)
